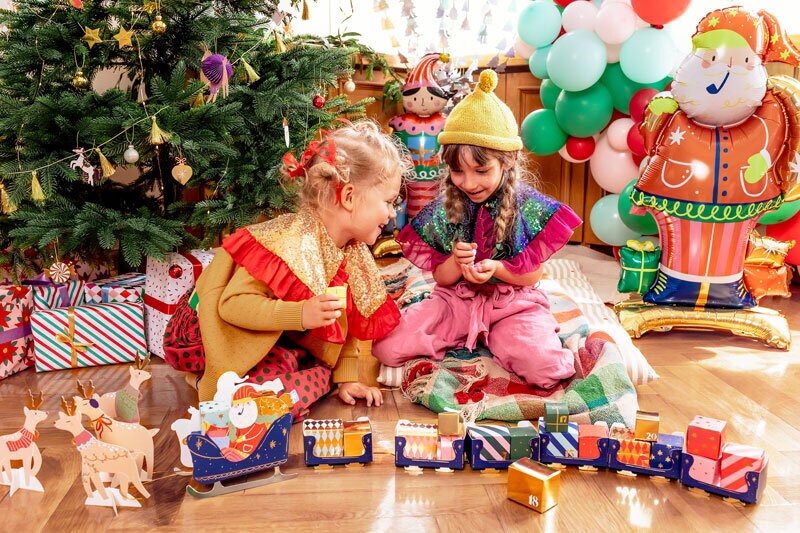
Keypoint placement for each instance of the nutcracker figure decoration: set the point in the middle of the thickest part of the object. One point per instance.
(423, 101)
(723, 150)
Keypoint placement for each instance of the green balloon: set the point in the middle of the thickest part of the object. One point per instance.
(623, 88)
(538, 62)
(584, 113)
(786, 211)
(644, 224)
(541, 133)
(548, 92)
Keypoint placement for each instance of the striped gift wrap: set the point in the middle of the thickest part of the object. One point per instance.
(92, 335)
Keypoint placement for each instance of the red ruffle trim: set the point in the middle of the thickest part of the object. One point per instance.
(265, 266)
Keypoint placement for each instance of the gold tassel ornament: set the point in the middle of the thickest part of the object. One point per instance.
(157, 136)
(37, 194)
(6, 204)
(105, 164)
(252, 75)
(306, 14)
(280, 46)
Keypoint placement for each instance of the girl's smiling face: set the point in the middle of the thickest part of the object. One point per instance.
(478, 180)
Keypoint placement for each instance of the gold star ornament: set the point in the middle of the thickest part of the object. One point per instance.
(91, 37)
(123, 37)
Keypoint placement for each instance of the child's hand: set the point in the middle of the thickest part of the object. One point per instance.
(464, 252)
(481, 272)
(349, 392)
(321, 310)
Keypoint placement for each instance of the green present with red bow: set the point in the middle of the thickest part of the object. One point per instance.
(639, 262)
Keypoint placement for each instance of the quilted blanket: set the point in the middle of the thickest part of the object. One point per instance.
(471, 382)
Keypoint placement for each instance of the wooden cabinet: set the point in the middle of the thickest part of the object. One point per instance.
(517, 87)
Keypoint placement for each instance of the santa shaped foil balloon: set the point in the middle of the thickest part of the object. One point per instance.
(723, 149)
(423, 101)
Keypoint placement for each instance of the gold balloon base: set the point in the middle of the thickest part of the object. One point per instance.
(767, 325)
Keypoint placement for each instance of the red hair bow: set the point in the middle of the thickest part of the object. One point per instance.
(325, 150)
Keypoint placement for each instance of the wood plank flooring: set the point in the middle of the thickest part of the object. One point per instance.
(755, 388)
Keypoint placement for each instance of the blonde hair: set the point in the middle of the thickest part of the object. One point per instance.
(365, 157)
(455, 199)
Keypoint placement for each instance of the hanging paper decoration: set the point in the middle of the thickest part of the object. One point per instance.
(252, 75)
(157, 136)
(6, 204)
(60, 272)
(387, 24)
(306, 14)
(77, 4)
(286, 132)
(82, 162)
(181, 171)
(280, 46)
(217, 70)
(37, 194)
(91, 36)
(123, 37)
(105, 164)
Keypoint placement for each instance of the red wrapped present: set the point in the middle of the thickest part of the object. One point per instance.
(588, 436)
(705, 437)
(737, 460)
(634, 452)
(16, 342)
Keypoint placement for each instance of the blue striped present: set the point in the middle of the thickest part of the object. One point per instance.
(496, 441)
(563, 443)
(92, 335)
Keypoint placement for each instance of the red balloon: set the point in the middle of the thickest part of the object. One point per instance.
(661, 12)
(637, 159)
(580, 148)
(636, 141)
(639, 102)
(564, 3)
(788, 230)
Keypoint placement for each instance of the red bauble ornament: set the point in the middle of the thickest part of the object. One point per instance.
(175, 271)
(318, 101)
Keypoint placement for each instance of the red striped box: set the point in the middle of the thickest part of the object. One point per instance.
(92, 335)
(738, 460)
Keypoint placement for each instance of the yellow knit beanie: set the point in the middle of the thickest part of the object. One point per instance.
(482, 119)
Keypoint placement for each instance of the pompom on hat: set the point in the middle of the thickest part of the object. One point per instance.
(735, 27)
(482, 119)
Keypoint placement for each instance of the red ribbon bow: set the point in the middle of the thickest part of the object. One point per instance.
(325, 150)
(100, 424)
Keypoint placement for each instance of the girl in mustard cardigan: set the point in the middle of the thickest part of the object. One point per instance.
(268, 305)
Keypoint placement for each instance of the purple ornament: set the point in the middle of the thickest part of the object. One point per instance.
(218, 70)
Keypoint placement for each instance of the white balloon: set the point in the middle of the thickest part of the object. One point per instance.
(615, 22)
(579, 16)
(612, 52)
(522, 49)
(618, 134)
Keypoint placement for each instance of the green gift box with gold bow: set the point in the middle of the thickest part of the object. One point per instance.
(639, 261)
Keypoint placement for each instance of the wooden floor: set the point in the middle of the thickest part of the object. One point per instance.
(756, 389)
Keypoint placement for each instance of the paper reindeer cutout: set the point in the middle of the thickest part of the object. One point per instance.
(134, 437)
(123, 405)
(21, 446)
(99, 457)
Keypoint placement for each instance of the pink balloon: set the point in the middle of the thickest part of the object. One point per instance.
(615, 22)
(522, 49)
(579, 16)
(618, 134)
(612, 52)
(635, 142)
(639, 102)
(612, 169)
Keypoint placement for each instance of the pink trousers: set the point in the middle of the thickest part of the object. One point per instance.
(515, 323)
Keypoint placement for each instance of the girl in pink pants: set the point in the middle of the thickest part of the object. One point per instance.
(485, 239)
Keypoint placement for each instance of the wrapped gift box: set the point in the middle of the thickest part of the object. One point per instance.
(639, 262)
(646, 426)
(588, 436)
(763, 281)
(91, 335)
(705, 469)
(634, 452)
(16, 342)
(620, 432)
(496, 440)
(90, 270)
(661, 451)
(562, 443)
(214, 414)
(737, 460)
(533, 484)
(328, 434)
(521, 440)
(421, 439)
(49, 295)
(705, 437)
(220, 435)
(354, 432)
(162, 291)
(119, 289)
(556, 416)
(444, 449)
(449, 424)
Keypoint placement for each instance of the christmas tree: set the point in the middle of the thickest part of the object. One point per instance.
(208, 95)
